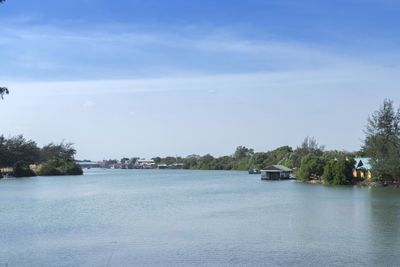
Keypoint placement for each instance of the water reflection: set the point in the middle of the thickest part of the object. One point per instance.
(384, 231)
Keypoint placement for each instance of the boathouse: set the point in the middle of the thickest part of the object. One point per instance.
(362, 169)
(276, 172)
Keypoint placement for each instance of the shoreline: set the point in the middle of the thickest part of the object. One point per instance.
(383, 184)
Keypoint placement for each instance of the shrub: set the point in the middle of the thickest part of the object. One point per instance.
(311, 167)
(22, 170)
(339, 171)
(60, 167)
(70, 168)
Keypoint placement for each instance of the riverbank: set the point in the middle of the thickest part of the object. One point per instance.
(388, 184)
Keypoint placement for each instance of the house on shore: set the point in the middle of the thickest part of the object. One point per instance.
(276, 172)
(362, 169)
(144, 164)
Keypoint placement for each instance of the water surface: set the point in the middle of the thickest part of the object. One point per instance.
(179, 218)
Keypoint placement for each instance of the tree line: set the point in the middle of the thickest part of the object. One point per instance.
(310, 161)
(19, 153)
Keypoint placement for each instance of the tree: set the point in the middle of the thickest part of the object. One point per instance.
(339, 171)
(56, 167)
(3, 91)
(257, 160)
(17, 149)
(309, 146)
(382, 142)
(22, 170)
(62, 151)
(206, 162)
(243, 152)
(190, 162)
(157, 160)
(311, 167)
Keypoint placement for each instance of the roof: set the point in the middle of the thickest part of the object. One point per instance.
(363, 163)
(277, 168)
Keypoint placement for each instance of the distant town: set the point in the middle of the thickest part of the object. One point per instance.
(129, 164)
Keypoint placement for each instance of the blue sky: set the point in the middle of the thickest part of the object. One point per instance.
(147, 78)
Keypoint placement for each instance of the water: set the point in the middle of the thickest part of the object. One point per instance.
(203, 218)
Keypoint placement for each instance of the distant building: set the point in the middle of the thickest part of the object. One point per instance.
(276, 172)
(362, 169)
(144, 164)
(162, 166)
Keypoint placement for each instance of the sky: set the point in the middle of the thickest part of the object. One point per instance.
(157, 78)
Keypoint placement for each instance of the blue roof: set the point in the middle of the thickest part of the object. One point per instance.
(363, 163)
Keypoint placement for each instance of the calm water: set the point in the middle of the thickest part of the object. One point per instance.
(175, 218)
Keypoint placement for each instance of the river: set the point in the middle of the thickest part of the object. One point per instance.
(186, 218)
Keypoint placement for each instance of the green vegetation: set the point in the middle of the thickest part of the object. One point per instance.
(18, 153)
(312, 167)
(339, 171)
(59, 167)
(309, 155)
(22, 170)
(382, 142)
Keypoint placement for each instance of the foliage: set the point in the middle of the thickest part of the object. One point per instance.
(22, 170)
(309, 146)
(62, 151)
(157, 160)
(3, 91)
(206, 162)
(49, 168)
(339, 171)
(190, 162)
(60, 167)
(243, 152)
(17, 149)
(382, 142)
(312, 167)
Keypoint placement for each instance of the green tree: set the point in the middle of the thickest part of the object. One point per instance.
(168, 160)
(382, 142)
(60, 167)
(157, 160)
(243, 152)
(16, 149)
(207, 162)
(309, 146)
(312, 167)
(224, 163)
(257, 160)
(339, 171)
(63, 151)
(190, 162)
(22, 170)
(3, 90)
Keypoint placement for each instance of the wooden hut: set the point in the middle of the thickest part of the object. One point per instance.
(276, 172)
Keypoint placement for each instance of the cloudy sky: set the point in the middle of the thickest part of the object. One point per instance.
(146, 78)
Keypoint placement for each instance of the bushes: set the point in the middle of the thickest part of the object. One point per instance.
(60, 167)
(311, 167)
(339, 171)
(22, 170)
